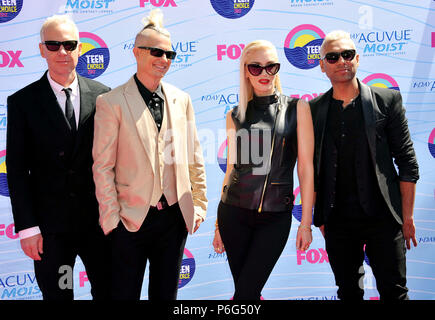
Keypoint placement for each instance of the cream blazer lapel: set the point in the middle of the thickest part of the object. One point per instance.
(174, 113)
(145, 124)
(187, 154)
(177, 124)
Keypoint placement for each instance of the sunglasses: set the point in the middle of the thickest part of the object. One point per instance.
(69, 45)
(157, 52)
(271, 69)
(332, 57)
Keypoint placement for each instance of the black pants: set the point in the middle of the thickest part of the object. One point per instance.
(385, 249)
(161, 240)
(54, 271)
(253, 242)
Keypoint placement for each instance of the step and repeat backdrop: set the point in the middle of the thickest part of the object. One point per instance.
(396, 43)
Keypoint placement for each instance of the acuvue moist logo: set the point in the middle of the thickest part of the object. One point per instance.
(381, 80)
(19, 286)
(232, 9)
(95, 56)
(9, 9)
(186, 52)
(389, 42)
(88, 6)
(302, 46)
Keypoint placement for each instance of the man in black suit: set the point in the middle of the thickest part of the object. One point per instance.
(361, 201)
(49, 161)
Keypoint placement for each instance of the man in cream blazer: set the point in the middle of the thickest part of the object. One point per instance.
(148, 171)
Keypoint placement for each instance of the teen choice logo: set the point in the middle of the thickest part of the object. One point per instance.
(187, 269)
(302, 46)
(9, 9)
(232, 9)
(4, 190)
(222, 156)
(297, 205)
(431, 143)
(94, 58)
(381, 80)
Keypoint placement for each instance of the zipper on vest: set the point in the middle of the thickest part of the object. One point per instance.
(270, 160)
(282, 151)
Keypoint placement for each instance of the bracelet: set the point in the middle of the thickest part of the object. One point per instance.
(216, 225)
(305, 227)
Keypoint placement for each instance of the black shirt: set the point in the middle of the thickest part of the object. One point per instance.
(154, 100)
(346, 129)
(347, 172)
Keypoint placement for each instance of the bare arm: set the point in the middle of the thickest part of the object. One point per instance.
(231, 158)
(305, 170)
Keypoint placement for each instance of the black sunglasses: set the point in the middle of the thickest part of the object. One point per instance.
(69, 45)
(332, 57)
(157, 52)
(271, 69)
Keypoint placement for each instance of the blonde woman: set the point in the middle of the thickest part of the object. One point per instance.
(267, 132)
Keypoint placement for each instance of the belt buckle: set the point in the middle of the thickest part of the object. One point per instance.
(159, 205)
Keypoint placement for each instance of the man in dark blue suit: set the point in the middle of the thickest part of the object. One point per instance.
(361, 200)
(49, 161)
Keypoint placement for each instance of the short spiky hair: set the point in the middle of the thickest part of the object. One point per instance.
(333, 36)
(58, 19)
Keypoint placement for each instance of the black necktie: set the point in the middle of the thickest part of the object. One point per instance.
(69, 110)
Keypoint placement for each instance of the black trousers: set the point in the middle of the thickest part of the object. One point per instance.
(253, 242)
(160, 240)
(385, 248)
(54, 271)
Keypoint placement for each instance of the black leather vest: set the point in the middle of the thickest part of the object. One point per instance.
(262, 177)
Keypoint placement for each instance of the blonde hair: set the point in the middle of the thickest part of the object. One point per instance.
(56, 20)
(154, 21)
(333, 36)
(246, 91)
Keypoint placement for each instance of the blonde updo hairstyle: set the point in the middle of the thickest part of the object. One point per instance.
(153, 22)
